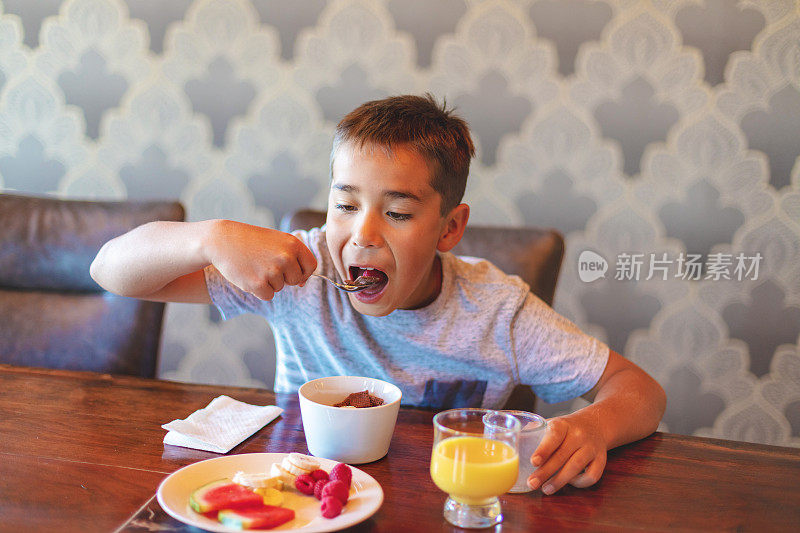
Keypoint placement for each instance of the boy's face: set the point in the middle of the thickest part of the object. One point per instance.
(384, 219)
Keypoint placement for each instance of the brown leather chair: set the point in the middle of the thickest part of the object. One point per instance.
(533, 254)
(52, 314)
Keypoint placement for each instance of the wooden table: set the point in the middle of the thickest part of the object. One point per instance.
(83, 452)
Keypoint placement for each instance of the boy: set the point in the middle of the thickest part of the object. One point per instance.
(449, 332)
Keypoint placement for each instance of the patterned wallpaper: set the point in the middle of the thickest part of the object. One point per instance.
(661, 137)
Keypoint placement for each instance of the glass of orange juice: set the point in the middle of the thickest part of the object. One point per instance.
(474, 461)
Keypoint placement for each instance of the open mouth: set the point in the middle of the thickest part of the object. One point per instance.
(356, 271)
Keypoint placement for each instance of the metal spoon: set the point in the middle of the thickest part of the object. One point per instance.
(358, 284)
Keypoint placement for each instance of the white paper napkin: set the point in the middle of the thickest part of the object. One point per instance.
(220, 426)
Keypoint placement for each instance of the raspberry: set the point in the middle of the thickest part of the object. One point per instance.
(318, 488)
(337, 489)
(305, 484)
(343, 473)
(319, 474)
(331, 507)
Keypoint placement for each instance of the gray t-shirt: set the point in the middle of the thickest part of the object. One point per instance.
(484, 334)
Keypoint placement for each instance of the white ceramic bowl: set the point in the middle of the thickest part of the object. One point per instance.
(352, 436)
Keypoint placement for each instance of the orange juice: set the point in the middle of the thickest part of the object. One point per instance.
(473, 470)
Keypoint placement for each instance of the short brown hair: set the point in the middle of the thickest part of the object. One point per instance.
(433, 131)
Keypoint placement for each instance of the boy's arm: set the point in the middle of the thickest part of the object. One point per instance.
(627, 405)
(164, 261)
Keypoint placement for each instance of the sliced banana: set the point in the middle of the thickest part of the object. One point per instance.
(298, 464)
(258, 481)
(276, 470)
(306, 462)
(291, 468)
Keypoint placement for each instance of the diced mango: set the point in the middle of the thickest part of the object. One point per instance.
(271, 496)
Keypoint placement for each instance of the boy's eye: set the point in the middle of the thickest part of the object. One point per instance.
(345, 207)
(398, 216)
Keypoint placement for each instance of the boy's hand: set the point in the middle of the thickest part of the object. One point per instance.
(259, 260)
(572, 451)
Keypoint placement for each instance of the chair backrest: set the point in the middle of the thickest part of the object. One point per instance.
(534, 254)
(52, 314)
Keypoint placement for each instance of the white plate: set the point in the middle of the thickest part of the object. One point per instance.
(366, 495)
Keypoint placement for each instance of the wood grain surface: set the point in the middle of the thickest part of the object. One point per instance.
(84, 452)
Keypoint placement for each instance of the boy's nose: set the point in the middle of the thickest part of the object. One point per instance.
(366, 232)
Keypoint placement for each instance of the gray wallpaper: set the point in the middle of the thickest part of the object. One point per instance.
(661, 137)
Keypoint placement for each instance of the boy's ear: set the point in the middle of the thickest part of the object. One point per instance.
(453, 229)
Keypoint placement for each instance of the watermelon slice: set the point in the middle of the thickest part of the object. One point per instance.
(266, 517)
(223, 494)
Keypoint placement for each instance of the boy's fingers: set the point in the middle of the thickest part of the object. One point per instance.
(550, 467)
(276, 283)
(307, 261)
(263, 293)
(293, 274)
(553, 437)
(591, 474)
(573, 466)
